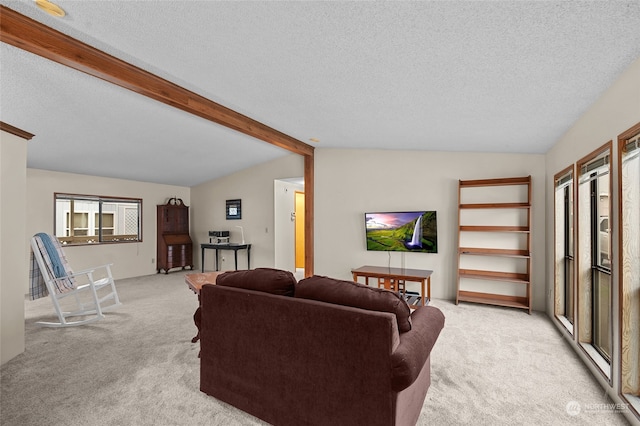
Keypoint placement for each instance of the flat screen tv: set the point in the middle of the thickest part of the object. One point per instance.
(402, 231)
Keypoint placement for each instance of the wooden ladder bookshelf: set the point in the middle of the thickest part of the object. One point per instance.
(486, 219)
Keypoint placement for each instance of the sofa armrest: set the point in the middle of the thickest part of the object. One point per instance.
(415, 346)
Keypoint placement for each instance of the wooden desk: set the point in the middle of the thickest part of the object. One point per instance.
(394, 279)
(227, 246)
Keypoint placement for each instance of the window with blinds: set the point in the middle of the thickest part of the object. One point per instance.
(564, 303)
(629, 232)
(594, 286)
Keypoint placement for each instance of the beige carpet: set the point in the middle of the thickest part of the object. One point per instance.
(491, 366)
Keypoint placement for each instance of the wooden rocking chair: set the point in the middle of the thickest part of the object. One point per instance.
(51, 275)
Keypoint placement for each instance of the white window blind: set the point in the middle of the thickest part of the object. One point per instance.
(594, 169)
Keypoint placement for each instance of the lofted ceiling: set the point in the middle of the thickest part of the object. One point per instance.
(508, 77)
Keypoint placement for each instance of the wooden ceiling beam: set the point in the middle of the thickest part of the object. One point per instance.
(15, 131)
(32, 36)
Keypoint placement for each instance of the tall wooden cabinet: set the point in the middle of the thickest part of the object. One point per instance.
(175, 248)
(494, 242)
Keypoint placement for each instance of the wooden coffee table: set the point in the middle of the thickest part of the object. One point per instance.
(195, 282)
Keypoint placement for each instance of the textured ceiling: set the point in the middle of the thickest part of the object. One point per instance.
(453, 76)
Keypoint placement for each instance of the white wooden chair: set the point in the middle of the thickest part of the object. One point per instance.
(51, 275)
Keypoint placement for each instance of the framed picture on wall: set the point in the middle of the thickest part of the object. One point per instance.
(234, 209)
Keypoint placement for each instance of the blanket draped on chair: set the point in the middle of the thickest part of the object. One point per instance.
(54, 257)
(51, 251)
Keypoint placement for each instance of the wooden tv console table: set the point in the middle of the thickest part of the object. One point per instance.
(394, 279)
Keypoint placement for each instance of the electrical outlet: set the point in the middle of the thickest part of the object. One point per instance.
(153, 260)
(223, 258)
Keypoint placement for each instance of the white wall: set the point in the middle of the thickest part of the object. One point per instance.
(352, 182)
(255, 188)
(129, 259)
(14, 270)
(617, 110)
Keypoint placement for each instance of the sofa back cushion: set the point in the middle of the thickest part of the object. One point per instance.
(268, 280)
(349, 293)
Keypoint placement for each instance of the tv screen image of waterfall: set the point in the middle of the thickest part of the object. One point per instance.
(415, 231)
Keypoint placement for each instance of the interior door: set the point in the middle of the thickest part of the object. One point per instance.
(299, 229)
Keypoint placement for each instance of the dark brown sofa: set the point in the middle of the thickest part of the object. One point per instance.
(292, 360)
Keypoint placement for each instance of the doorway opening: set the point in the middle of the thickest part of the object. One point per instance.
(299, 230)
(289, 240)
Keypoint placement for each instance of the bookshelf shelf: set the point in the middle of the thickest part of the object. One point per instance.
(469, 289)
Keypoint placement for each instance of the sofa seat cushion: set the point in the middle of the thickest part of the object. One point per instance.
(350, 293)
(268, 280)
